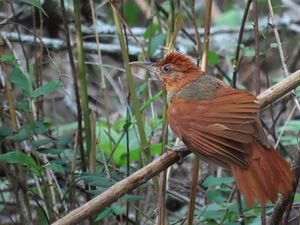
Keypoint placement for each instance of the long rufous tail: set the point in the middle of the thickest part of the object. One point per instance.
(268, 174)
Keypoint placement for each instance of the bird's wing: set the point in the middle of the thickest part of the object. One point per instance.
(219, 129)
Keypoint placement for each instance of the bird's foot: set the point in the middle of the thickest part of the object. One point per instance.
(180, 148)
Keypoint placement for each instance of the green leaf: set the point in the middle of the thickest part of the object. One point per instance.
(146, 104)
(22, 136)
(50, 151)
(211, 211)
(156, 42)
(17, 77)
(63, 141)
(214, 181)
(5, 131)
(34, 3)
(19, 157)
(230, 18)
(131, 13)
(24, 105)
(215, 195)
(273, 45)
(212, 58)
(131, 198)
(97, 179)
(249, 52)
(151, 29)
(56, 167)
(116, 208)
(103, 214)
(46, 89)
(9, 58)
(38, 128)
(41, 142)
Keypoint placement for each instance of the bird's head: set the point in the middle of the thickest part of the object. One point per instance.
(176, 70)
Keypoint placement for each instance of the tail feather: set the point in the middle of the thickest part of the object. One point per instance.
(267, 174)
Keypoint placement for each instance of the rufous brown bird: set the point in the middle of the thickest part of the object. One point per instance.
(219, 124)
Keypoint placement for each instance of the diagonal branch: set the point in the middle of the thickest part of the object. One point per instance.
(163, 162)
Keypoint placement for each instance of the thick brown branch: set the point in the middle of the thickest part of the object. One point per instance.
(279, 89)
(143, 175)
(121, 188)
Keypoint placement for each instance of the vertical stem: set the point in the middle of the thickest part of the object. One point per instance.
(256, 36)
(138, 116)
(76, 90)
(104, 88)
(206, 34)
(241, 215)
(203, 67)
(82, 76)
(237, 50)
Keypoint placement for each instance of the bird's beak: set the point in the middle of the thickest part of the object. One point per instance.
(147, 65)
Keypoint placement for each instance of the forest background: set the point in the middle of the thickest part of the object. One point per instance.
(76, 119)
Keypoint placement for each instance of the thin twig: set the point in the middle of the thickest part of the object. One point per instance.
(76, 89)
(285, 125)
(282, 57)
(238, 46)
(239, 202)
(256, 37)
(129, 29)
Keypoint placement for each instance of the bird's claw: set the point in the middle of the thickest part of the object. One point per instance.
(178, 148)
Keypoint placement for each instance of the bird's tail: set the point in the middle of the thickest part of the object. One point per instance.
(268, 173)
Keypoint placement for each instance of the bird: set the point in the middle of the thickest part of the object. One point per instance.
(219, 124)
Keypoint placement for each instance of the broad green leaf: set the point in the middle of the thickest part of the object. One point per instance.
(19, 157)
(38, 128)
(50, 151)
(22, 104)
(156, 42)
(230, 18)
(63, 141)
(214, 181)
(116, 208)
(42, 217)
(103, 214)
(34, 3)
(131, 197)
(46, 89)
(95, 192)
(10, 59)
(212, 58)
(211, 211)
(97, 179)
(151, 29)
(215, 195)
(56, 167)
(22, 136)
(17, 77)
(41, 142)
(5, 131)
(131, 13)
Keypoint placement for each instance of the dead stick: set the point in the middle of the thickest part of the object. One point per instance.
(163, 162)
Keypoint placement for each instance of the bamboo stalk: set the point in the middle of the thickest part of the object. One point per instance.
(82, 75)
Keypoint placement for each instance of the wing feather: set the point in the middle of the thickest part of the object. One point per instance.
(219, 129)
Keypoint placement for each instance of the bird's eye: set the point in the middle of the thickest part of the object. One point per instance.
(167, 69)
